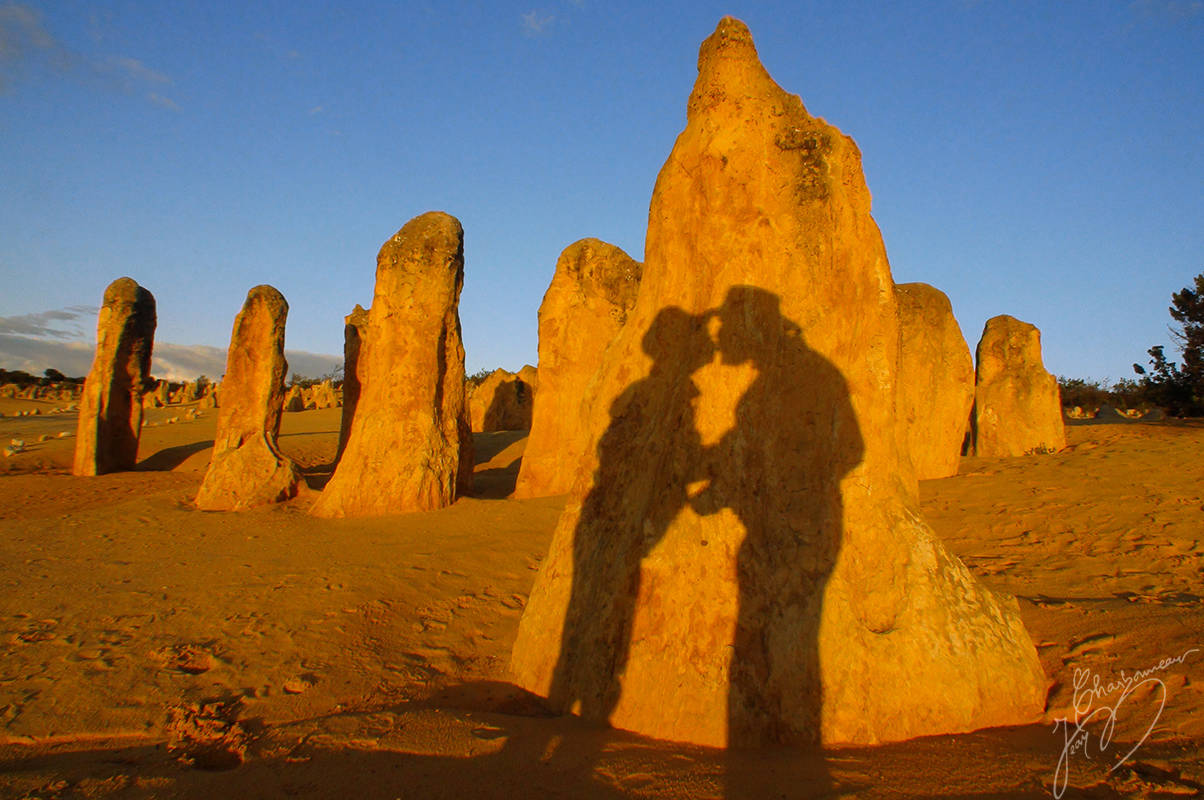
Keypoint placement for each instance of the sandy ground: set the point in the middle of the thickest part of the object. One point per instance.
(151, 650)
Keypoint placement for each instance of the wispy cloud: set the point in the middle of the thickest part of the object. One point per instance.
(34, 352)
(162, 102)
(50, 324)
(316, 110)
(25, 43)
(22, 39)
(37, 355)
(136, 70)
(534, 24)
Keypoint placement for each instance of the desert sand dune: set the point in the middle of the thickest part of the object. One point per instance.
(150, 650)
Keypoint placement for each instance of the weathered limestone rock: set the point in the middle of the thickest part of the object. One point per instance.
(247, 468)
(110, 410)
(322, 395)
(409, 447)
(294, 399)
(501, 402)
(530, 376)
(161, 394)
(591, 293)
(936, 380)
(1017, 404)
(355, 325)
(742, 559)
(209, 398)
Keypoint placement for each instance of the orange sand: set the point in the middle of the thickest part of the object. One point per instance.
(151, 650)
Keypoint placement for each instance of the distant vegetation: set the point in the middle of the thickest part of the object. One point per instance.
(1125, 393)
(1179, 388)
(477, 377)
(23, 379)
(335, 376)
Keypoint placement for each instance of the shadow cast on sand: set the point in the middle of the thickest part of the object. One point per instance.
(169, 458)
(483, 753)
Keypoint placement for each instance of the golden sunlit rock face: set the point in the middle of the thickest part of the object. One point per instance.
(409, 447)
(110, 409)
(771, 581)
(1017, 404)
(501, 402)
(586, 305)
(247, 468)
(936, 381)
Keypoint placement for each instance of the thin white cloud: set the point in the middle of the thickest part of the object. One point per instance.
(22, 39)
(533, 24)
(136, 70)
(162, 101)
(25, 43)
(180, 362)
(316, 110)
(177, 362)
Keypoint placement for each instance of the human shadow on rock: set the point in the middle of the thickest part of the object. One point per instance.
(778, 470)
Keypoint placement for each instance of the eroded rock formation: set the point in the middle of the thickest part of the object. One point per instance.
(742, 559)
(591, 293)
(322, 395)
(294, 399)
(530, 376)
(247, 468)
(354, 326)
(110, 410)
(501, 402)
(409, 447)
(936, 380)
(1017, 404)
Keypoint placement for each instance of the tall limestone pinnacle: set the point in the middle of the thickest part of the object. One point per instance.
(247, 468)
(1017, 404)
(110, 408)
(741, 559)
(408, 445)
(592, 290)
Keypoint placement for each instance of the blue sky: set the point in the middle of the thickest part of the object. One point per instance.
(1038, 159)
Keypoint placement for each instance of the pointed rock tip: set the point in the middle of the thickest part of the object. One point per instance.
(731, 38)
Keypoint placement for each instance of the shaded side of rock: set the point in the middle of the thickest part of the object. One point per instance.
(501, 402)
(355, 325)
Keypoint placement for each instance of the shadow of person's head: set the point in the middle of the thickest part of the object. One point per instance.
(751, 325)
(678, 338)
